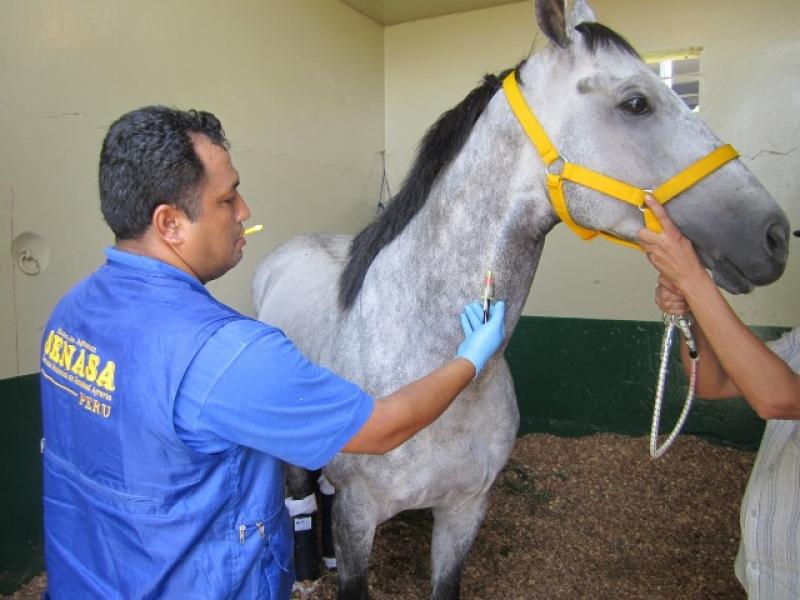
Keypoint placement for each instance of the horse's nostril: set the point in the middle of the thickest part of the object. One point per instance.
(777, 238)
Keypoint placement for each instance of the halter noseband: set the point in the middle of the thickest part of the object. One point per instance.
(602, 183)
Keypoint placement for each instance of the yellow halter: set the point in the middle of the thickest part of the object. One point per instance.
(602, 183)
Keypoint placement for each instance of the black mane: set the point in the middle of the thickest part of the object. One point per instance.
(442, 142)
(599, 36)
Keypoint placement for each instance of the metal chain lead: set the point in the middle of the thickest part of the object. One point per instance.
(682, 322)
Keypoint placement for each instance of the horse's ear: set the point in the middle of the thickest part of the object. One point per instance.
(552, 22)
(581, 13)
(551, 15)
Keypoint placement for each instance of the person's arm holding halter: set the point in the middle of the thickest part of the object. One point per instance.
(733, 361)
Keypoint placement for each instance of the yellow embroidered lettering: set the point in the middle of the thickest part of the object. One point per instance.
(94, 406)
(102, 394)
(91, 367)
(79, 364)
(68, 350)
(106, 377)
(55, 348)
(48, 344)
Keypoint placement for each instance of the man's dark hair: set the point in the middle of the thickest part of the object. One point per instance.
(147, 160)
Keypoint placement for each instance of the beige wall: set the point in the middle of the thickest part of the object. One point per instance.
(750, 95)
(298, 86)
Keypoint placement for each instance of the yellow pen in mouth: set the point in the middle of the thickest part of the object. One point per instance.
(253, 229)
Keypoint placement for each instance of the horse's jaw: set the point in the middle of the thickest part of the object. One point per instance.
(725, 274)
(728, 276)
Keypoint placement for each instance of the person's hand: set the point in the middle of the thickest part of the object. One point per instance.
(669, 298)
(481, 340)
(669, 252)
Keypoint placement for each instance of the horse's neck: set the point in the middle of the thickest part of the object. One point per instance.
(488, 210)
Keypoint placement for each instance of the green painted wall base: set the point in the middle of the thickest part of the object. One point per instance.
(573, 377)
(20, 469)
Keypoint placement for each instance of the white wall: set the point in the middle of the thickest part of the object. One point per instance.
(750, 96)
(298, 86)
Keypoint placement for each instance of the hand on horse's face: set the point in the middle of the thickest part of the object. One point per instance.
(670, 252)
(481, 340)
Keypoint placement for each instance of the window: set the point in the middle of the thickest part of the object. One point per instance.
(680, 70)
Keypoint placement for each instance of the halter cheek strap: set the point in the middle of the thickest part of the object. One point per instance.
(602, 183)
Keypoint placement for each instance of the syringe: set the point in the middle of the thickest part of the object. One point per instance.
(488, 294)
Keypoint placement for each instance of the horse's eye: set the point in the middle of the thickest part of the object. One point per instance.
(636, 105)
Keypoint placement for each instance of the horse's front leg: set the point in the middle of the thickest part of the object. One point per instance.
(354, 523)
(454, 529)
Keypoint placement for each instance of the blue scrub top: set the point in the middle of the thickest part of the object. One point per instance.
(249, 385)
(162, 473)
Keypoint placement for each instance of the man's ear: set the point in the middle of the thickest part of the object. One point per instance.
(168, 223)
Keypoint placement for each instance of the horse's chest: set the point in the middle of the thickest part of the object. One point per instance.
(439, 463)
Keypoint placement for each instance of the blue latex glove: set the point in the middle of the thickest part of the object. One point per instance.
(481, 340)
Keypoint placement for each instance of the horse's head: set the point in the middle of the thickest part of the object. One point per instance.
(605, 110)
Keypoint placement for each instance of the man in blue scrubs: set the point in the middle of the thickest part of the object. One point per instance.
(167, 414)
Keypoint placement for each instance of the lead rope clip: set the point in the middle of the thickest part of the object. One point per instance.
(683, 323)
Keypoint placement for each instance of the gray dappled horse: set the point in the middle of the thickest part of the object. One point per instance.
(382, 308)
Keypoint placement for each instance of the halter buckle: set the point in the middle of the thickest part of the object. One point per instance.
(643, 206)
(561, 164)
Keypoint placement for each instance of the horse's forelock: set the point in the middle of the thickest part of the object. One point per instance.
(440, 145)
(599, 36)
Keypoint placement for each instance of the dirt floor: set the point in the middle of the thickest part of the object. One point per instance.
(590, 517)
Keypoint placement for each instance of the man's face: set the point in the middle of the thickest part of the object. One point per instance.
(214, 241)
